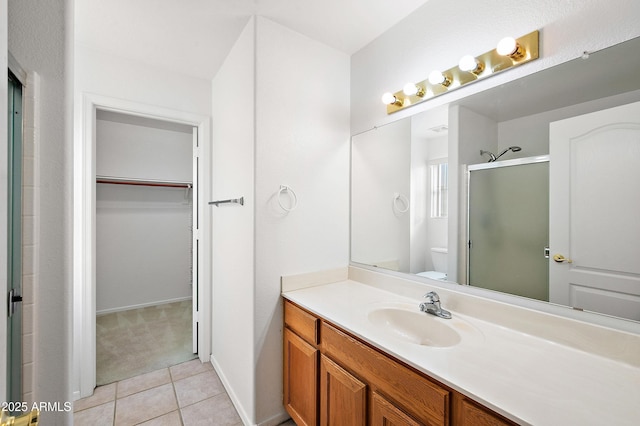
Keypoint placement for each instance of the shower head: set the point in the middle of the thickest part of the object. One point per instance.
(492, 157)
(495, 157)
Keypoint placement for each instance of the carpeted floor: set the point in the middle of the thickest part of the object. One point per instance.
(138, 341)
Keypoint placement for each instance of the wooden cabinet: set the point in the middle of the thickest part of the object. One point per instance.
(469, 413)
(384, 413)
(332, 379)
(343, 397)
(300, 377)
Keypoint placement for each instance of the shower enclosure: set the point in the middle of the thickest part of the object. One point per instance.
(508, 226)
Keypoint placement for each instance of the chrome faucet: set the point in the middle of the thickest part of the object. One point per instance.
(432, 306)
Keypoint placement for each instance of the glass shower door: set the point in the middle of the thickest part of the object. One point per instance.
(14, 324)
(509, 227)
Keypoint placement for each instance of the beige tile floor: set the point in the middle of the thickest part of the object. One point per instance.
(185, 394)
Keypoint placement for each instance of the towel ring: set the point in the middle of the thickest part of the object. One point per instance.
(404, 200)
(292, 196)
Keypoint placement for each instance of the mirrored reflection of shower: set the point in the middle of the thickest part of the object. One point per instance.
(493, 157)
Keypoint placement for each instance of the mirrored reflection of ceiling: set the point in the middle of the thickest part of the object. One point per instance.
(194, 36)
(614, 71)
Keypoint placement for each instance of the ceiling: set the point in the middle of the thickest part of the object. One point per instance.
(193, 37)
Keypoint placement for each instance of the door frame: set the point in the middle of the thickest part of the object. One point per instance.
(84, 230)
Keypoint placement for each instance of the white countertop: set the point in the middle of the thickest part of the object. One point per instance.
(526, 378)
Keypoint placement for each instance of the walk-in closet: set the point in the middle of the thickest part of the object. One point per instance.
(144, 245)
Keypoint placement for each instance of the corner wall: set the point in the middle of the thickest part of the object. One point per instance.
(233, 101)
(281, 117)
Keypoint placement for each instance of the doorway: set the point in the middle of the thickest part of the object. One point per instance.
(84, 342)
(144, 245)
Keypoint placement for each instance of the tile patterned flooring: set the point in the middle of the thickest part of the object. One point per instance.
(185, 394)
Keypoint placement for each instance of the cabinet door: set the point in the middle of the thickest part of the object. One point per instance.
(473, 415)
(342, 396)
(300, 379)
(384, 413)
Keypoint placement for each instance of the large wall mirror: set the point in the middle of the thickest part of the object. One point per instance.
(461, 193)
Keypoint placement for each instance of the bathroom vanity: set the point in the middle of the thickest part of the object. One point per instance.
(357, 350)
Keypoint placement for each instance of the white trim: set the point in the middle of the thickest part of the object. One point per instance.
(232, 396)
(506, 163)
(141, 305)
(84, 281)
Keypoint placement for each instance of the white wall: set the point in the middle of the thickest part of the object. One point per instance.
(37, 39)
(299, 137)
(143, 239)
(144, 150)
(233, 254)
(381, 160)
(437, 34)
(532, 132)
(143, 234)
(111, 82)
(302, 128)
(106, 74)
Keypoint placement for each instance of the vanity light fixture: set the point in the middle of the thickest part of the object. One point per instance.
(509, 53)
(412, 89)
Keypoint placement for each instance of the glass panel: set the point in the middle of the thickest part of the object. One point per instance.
(509, 229)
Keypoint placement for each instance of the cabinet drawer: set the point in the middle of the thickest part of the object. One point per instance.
(301, 322)
(414, 394)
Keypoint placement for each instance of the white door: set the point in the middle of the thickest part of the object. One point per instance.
(195, 239)
(594, 205)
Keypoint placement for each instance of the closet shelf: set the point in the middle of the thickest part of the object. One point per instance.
(143, 182)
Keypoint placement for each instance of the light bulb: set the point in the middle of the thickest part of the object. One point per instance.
(389, 99)
(507, 46)
(436, 77)
(410, 89)
(468, 63)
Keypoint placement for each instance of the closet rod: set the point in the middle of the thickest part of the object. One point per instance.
(142, 182)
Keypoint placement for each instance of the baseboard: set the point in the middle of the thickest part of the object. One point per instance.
(142, 305)
(276, 420)
(273, 421)
(234, 399)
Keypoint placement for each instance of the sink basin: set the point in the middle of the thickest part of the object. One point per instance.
(415, 327)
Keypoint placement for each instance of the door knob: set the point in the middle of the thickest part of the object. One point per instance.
(561, 259)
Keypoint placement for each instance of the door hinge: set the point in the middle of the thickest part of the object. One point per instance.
(196, 152)
(469, 244)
